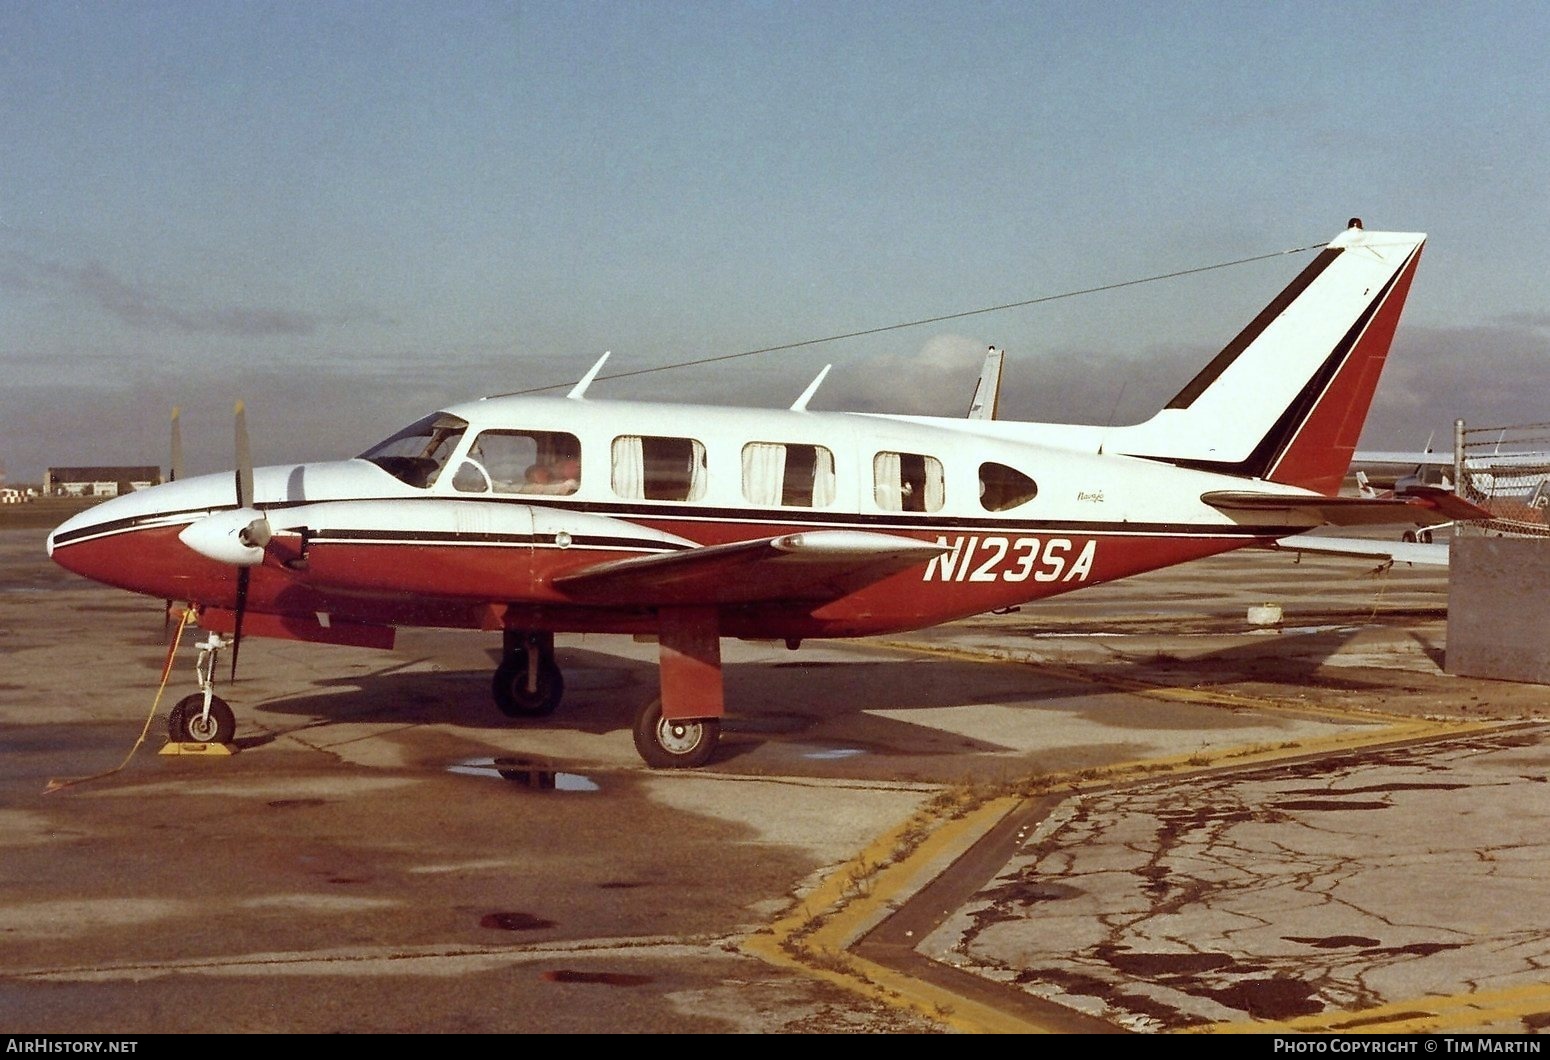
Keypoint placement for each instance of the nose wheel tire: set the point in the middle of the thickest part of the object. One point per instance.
(681, 744)
(188, 722)
(510, 689)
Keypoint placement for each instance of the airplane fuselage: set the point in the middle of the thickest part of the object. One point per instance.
(472, 544)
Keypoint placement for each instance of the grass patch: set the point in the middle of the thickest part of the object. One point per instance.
(44, 513)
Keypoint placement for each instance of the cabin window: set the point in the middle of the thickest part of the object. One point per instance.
(650, 468)
(1003, 487)
(417, 453)
(795, 476)
(908, 482)
(531, 462)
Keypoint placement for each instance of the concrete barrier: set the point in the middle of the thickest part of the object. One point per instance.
(1499, 608)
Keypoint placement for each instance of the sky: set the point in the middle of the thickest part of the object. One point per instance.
(349, 214)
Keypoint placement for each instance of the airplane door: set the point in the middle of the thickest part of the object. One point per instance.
(504, 533)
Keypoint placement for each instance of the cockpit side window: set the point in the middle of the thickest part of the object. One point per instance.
(547, 462)
(417, 453)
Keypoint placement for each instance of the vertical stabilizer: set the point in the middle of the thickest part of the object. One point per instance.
(1286, 400)
(987, 393)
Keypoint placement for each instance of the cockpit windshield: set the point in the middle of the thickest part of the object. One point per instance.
(417, 453)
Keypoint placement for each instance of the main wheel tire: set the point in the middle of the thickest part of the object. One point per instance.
(188, 723)
(682, 744)
(509, 687)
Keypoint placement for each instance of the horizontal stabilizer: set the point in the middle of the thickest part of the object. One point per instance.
(815, 565)
(1444, 502)
(1420, 507)
(1412, 552)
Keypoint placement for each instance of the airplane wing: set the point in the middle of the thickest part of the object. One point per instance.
(1419, 505)
(813, 565)
(1412, 552)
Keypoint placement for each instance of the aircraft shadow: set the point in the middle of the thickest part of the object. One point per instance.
(863, 701)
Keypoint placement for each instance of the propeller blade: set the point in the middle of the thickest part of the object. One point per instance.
(175, 471)
(254, 535)
(242, 605)
(244, 460)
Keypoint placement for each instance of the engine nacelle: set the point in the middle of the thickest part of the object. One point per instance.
(237, 537)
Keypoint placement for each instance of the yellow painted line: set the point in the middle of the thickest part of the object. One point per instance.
(815, 936)
(1456, 1012)
(1150, 689)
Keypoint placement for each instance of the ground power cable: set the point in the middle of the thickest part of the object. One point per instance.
(166, 670)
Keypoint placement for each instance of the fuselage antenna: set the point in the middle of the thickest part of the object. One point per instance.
(800, 405)
(581, 388)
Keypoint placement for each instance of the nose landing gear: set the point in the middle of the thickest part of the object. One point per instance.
(203, 717)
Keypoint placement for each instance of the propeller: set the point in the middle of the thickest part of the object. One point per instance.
(174, 472)
(236, 536)
(255, 534)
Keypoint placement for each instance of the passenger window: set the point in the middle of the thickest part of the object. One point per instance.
(533, 462)
(795, 476)
(908, 482)
(651, 468)
(1003, 487)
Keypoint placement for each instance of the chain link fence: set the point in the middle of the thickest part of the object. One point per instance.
(1506, 471)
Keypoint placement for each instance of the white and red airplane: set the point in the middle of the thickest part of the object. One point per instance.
(532, 516)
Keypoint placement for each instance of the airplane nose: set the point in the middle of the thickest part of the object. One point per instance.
(92, 543)
(75, 526)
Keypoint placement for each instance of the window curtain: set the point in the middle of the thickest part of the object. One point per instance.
(696, 471)
(935, 488)
(629, 473)
(886, 474)
(823, 477)
(764, 472)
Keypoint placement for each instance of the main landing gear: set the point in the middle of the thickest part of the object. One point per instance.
(677, 730)
(528, 682)
(664, 744)
(203, 717)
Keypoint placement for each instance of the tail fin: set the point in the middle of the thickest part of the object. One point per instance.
(1286, 400)
(986, 401)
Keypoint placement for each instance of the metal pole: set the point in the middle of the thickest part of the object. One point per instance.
(1458, 464)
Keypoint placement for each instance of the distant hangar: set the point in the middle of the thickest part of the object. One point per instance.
(98, 481)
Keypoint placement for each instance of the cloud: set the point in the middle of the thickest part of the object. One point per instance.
(1070, 385)
(1528, 319)
(936, 381)
(343, 401)
(140, 307)
(1495, 375)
